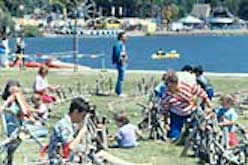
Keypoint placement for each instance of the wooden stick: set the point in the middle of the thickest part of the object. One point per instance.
(113, 160)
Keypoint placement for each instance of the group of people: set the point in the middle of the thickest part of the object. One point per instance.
(178, 93)
(16, 111)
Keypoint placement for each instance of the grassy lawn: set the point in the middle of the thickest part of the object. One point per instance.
(157, 153)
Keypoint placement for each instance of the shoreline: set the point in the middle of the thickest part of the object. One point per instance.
(83, 68)
(217, 32)
(155, 72)
(213, 74)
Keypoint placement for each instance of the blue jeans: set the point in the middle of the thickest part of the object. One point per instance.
(176, 125)
(13, 123)
(37, 131)
(121, 75)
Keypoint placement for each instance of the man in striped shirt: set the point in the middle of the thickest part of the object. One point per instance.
(179, 99)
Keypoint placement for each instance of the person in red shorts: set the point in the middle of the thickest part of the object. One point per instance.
(42, 87)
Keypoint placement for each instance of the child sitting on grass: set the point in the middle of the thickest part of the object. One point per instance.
(127, 133)
(41, 110)
(227, 117)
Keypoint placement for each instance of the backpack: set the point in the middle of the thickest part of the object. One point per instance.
(114, 55)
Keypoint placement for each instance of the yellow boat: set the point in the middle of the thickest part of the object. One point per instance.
(170, 55)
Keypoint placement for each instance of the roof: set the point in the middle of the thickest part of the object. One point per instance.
(190, 20)
(219, 20)
(201, 10)
(222, 12)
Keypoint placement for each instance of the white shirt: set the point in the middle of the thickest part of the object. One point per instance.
(6, 45)
(43, 110)
(187, 77)
(40, 83)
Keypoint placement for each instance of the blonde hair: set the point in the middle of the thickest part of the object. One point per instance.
(228, 99)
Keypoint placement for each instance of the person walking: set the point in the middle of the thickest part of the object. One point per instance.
(5, 43)
(120, 59)
(20, 46)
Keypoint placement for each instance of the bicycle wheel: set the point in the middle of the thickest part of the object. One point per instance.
(3, 155)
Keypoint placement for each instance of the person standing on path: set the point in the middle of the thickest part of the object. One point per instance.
(120, 58)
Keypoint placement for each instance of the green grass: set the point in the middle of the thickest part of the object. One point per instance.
(157, 153)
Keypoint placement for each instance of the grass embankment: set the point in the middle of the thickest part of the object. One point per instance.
(157, 153)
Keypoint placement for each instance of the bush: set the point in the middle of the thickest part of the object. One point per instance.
(5, 21)
(32, 31)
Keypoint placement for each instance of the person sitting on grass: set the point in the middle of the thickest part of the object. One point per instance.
(227, 118)
(127, 133)
(42, 87)
(41, 109)
(18, 114)
(64, 140)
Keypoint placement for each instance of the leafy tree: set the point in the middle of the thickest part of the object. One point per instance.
(233, 5)
(133, 8)
(187, 5)
(243, 9)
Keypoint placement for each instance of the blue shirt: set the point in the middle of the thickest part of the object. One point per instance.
(160, 89)
(118, 49)
(2, 50)
(62, 134)
(126, 136)
(224, 114)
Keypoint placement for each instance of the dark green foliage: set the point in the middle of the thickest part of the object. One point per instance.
(31, 31)
(131, 8)
(243, 9)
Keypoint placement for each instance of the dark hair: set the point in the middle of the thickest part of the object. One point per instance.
(198, 69)
(120, 35)
(9, 84)
(163, 78)
(121, 117)
(171, 77)
(187, 68)
(80, 104)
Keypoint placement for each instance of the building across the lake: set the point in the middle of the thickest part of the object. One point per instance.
(203, 16)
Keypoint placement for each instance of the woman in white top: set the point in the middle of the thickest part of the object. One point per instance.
(42, 87)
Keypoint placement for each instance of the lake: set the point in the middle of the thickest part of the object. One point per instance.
(216, 53)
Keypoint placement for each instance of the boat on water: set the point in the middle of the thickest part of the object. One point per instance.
(52, 63)
(57, 64)
(160, 55)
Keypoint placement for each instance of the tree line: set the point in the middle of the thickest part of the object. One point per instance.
(131, 8)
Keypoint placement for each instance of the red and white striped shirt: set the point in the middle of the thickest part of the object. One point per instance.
(182, 102)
